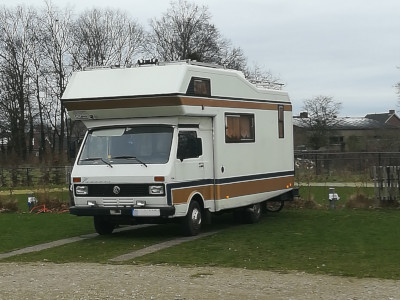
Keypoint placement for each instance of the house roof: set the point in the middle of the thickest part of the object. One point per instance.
(387, 118)
(349, 123)
(370, 121)
(381, 118)
(345, 123)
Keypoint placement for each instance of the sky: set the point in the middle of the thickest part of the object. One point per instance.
(345, 49)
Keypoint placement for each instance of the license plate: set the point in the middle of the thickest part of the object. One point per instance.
(146, 212)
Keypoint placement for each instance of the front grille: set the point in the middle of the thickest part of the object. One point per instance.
(118, 202)
(118, 190)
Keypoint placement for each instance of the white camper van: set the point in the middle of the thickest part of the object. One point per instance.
(177, 141)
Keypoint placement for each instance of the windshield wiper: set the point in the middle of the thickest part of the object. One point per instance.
(97, 158)
(129, 157)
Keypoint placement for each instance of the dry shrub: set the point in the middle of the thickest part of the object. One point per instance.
(8, 205)
(359, 201)
(300, 203)
(51, 202)
(389, 204)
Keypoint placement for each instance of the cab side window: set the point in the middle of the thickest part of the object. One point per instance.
(189, 145)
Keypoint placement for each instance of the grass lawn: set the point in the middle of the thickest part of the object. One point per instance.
(19, 230)
(341, 242)
(360, 243)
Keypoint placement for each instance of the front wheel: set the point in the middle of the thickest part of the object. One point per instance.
(192, 221)
(103, 226)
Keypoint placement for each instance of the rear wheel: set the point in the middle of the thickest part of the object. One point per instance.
(274, 206)
(103, 226)
(252, 213)
(192, 221)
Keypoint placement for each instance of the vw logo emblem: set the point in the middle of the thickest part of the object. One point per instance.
(116, 190)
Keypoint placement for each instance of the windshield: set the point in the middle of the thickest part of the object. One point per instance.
(128, 145)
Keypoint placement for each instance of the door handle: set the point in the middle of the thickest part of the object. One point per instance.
(201, 165)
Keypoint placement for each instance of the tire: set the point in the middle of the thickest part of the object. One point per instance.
(274, 206)
(102, 226)
(192, 221)
(252, 213)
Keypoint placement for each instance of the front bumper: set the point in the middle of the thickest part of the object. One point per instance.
(123, 211)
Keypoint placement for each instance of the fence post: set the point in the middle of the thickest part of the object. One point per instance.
(392, 182)
(386, 183)
(376, 185)
(27, 176)
(397, 180)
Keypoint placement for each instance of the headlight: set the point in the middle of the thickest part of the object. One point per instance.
(156, 190)
(81, 190)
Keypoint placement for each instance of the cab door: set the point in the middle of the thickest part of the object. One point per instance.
(194, 172)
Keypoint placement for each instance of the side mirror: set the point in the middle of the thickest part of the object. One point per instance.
(73, 148)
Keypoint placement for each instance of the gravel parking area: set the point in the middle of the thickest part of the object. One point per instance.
(98, 281)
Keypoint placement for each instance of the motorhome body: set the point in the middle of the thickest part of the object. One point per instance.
(177, 140)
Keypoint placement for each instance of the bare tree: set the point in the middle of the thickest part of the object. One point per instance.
(105, 37)
(35, 74)
(185, 31)
(322, 115)
(16, 27)
(263, 78)
(39, 49)
(397, 87)
(233, 58)
(55, 40)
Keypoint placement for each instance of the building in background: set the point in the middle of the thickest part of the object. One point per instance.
(372, 133)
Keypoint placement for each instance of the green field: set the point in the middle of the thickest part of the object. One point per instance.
(359, 243)
(19, 230)
(345, 242)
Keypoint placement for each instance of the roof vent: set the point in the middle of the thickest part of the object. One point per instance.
(304, 114)
(142, 62)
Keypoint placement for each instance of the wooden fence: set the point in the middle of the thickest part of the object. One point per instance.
(34, 177)
(338, 163)
(386, 183)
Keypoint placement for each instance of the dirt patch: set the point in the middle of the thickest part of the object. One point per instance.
(96, 281)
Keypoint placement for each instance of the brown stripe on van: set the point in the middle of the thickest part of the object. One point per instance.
(157, 101)
(88, 104)
(183, 195)
(230, 190)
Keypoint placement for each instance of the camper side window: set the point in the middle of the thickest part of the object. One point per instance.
(239, 128)
(199, 87)
(281, 119)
